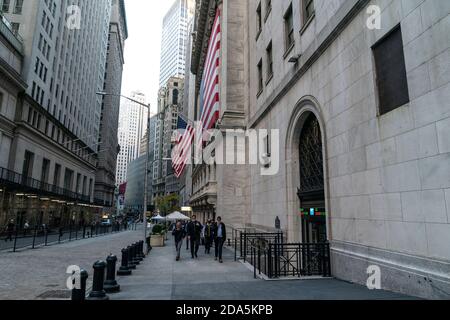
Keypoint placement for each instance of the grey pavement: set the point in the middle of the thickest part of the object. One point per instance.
(28, 274)
(160, 277)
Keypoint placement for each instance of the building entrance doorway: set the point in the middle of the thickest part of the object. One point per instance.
(312, 188)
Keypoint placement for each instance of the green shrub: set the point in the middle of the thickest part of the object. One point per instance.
(158, 229)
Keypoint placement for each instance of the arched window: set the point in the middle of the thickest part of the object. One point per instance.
(311, 158)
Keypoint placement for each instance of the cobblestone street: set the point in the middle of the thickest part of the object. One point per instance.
(28, 274)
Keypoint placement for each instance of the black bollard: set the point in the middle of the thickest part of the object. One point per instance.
(138, 251)
(131, 264)
(124, 270)
(134, 254)
(111, 285)
(98, 293)
(80, 294)
(141, 249)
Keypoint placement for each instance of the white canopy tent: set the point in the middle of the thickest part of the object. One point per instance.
(158, 218)
(176, 216)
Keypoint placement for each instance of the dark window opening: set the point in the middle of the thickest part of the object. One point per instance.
(391, 80)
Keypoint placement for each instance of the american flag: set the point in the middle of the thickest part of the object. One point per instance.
(209, 101)
(209, 89)
(182, 150)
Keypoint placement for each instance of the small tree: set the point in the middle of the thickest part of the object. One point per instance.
(168, 204)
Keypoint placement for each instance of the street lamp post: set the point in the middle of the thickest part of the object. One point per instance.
(144, 214)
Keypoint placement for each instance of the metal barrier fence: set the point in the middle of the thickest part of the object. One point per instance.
(38, 236)
(276, 260)
(245, 239)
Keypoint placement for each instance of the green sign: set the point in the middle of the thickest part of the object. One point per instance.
(313, 212)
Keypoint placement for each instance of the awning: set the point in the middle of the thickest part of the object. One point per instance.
(175, 216)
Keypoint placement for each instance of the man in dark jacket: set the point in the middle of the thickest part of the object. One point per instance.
(208, 234)
(194, 230)
(179, 234)
(220, 236)
(10, 230)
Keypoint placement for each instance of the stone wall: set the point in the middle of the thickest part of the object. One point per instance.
(387, 177)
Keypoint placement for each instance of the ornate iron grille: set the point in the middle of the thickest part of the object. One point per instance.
(311, 157)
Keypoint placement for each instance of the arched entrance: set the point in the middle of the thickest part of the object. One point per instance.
(306, 174)
(311, 192)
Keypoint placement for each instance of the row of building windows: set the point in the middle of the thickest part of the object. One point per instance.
(17, 7)
(81, 181)
(390, 70)
(35, 119)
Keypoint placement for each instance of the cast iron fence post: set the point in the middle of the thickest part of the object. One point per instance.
(235, 244)
(15, 239)
(254, 264)
(245, 246)
(34, 236)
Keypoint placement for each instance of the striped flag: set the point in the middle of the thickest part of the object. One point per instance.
(209, 102)
(183, 145)
(209, 89)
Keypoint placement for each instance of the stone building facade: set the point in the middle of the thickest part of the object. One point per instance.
(108, 144)
(169, 105)
(45, 176)
(367, 153)
(50, 173)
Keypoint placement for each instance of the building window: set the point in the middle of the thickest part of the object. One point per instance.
(391, 80)
(260, 77)
(15, 28)
(289, 29)
(18, 7)
(258, 20)
(27, 171)
(5, 6)
(175, 96)
(269, 54)
(307, 11)
(68, 179)
(45, 170)
(57, 175)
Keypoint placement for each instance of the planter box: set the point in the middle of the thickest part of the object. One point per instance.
(157, 240)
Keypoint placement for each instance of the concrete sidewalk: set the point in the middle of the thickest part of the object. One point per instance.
(160, 277)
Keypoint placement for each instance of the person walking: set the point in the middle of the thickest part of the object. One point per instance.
(179, 234)
(208, 234)
(220, 235)
(26, 227)
(10, 230)
(194, 231)
(185, 226)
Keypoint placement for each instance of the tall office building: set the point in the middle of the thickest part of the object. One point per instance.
(57, 119)
(132, 128)
(174, 40)
(134, 196)
(108, 145)
(65, 54)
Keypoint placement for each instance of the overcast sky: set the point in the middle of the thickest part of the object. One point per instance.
(142, 49)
